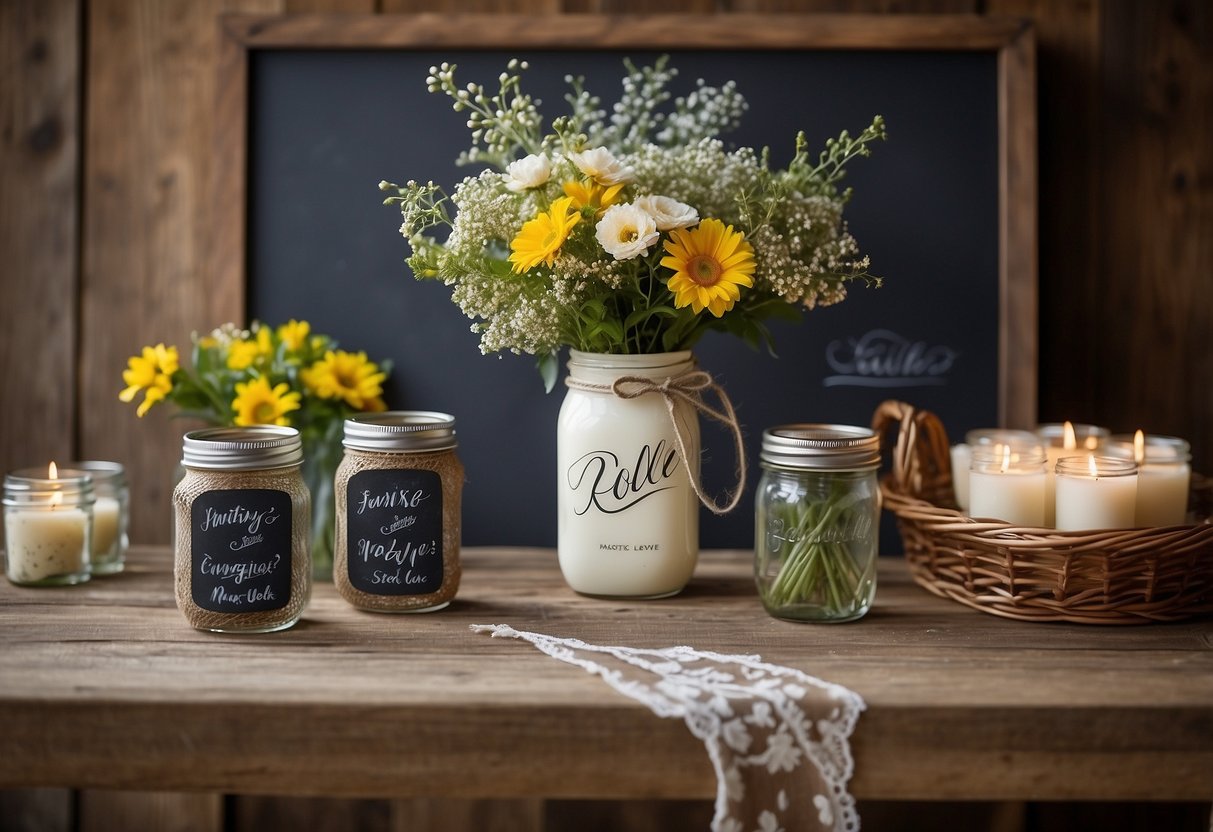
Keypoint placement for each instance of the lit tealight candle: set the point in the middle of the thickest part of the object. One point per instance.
(1163, 476)
(1062, 440)
(1007, 483)
(1096, 493)
(110, 514)
(48, 526)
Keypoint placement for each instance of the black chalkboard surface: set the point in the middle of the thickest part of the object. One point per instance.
(326, 126)
(394, 531)
(240, 548)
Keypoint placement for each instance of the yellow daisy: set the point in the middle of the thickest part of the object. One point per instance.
(591, 194)
(294, 334)
(710, 263)
(244, 353)
(256, 403)
(151, 371)
(349, 376)
(541, 238)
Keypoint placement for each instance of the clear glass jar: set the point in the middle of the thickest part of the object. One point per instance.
(399, 491)
(48, 526)
(242, 536)
(817, 522)
(111, 514)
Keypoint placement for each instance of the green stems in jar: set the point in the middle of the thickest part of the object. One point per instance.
(817, 538)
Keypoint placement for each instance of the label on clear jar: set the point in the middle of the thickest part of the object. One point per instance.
(240, 546)
(394, 531)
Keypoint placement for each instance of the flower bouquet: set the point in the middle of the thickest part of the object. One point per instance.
(627, 236)
(269, 376)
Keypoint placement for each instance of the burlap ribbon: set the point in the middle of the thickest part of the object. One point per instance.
(686, 387)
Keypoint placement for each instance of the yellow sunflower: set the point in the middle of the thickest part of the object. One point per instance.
(294, 334)
(591, 194)
(710, 263)
(349, 376)
(256, 403)
(243, 353)
(540, 238)
(151, 371)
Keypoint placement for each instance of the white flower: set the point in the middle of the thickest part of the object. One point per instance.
(626, 232)
(782, 753)
(736, 735)
(530, 172)
(824, 814)
(667, 213)
(601, 165)
(767, 822)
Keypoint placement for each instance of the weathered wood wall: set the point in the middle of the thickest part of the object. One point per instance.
(105, 159)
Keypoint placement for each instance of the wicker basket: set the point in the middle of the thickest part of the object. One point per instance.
(1132, 576)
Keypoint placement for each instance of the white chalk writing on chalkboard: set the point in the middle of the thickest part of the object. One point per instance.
(882, 358)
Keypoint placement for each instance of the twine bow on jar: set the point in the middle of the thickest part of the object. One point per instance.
(687, 387)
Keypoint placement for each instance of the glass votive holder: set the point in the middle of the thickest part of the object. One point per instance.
(48, 525)
(111, 514)
(1164, 475)
(1096, 492)
(962, 455)
(1008, 483)
(1065, 439)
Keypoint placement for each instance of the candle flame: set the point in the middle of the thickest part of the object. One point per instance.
(1139, 447)
(1069, 442)
(1092, 443)
(1094, 469)
(1006, 457)
(56, 499)
(53, 471)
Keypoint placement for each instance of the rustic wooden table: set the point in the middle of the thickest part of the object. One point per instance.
(106, 686)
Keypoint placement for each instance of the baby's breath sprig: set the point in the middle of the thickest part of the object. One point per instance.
(822, 179)
(501, 124)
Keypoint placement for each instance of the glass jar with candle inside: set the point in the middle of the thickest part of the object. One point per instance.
(48, 526)
(1060, 440)
(1164, 476)
(111, 514)
(1008, 483)
(962, 455)
(1096, 492)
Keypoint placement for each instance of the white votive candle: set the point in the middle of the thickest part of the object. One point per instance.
(962, 456)
(1061, 440)
(1164, 476)
(1096, 492)
(48, 526)
(111, 514)
(1008, 484)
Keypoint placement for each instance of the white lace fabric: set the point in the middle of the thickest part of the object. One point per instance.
(761, 723)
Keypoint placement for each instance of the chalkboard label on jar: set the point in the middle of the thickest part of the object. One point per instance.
(394, 531)
(241, 550)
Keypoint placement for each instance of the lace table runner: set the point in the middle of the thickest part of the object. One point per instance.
(760, 723)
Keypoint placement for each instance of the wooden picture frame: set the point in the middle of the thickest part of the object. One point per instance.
(1012, 41)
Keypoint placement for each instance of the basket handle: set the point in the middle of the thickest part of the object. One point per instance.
(921, 453)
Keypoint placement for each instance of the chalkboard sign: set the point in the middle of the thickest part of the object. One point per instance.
(240, 546)
(945, 208)
(394, 531)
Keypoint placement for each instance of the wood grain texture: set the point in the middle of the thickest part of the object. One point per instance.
(105, 685)
(1154, 365)
(454, 815)
(1017, 261)
(36, 810)
(39, 228)
(103, 811)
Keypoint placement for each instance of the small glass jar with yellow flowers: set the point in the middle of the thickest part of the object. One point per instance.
(266, 375)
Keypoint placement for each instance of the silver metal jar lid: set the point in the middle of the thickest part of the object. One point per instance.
(397, 431)
(821, 447)
(242, 448)
(111, 473)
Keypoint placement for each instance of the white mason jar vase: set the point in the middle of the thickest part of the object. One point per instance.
(627, 512)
